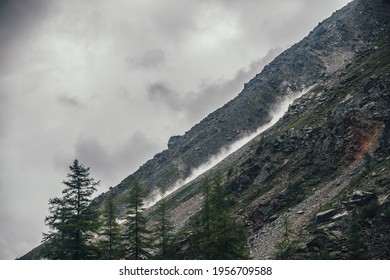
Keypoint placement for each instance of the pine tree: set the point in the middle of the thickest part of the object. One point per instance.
(164, 232)
(218, 236)
(204, 235)
(110, 244)
(137, 237)
(72, 221)
(228, 235)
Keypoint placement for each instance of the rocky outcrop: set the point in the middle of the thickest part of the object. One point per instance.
(173, 141)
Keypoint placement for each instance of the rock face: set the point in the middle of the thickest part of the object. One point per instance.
(331, 150)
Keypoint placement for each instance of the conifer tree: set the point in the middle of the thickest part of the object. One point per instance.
(203, 232)
(356, 244)
(164, 232)
(72, 221)
(110, 244)
(219, 236)
(228, 235)
(137, 237)
(59, 235)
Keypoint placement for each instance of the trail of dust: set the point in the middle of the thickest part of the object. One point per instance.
(278, 113)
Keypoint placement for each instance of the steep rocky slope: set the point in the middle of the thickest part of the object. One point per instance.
(323, 167)
(328, 48)
(328, 158)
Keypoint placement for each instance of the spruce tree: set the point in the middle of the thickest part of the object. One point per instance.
(110, 245)
(72, 221)
(136, 236)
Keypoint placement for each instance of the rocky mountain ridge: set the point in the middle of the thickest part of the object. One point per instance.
(285, 74)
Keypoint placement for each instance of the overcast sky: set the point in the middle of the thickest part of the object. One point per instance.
(108, 82)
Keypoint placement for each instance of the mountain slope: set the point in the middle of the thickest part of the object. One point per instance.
(330, 148)
(306, 63)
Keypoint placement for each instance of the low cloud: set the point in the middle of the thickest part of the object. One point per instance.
(149, 59)
(113, 162)
(216, 94)
(210, 95)
(68, 100)
(162, 93)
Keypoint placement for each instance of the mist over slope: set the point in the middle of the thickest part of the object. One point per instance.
(327, 158)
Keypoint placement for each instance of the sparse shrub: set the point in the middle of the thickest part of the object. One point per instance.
(356, 243)
(230, 172)
(370, 210)
(324, 255)
(386, 214)
(286, 248)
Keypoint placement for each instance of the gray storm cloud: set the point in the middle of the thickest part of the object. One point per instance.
(102, 81)
(210, 95)
(18, 21)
